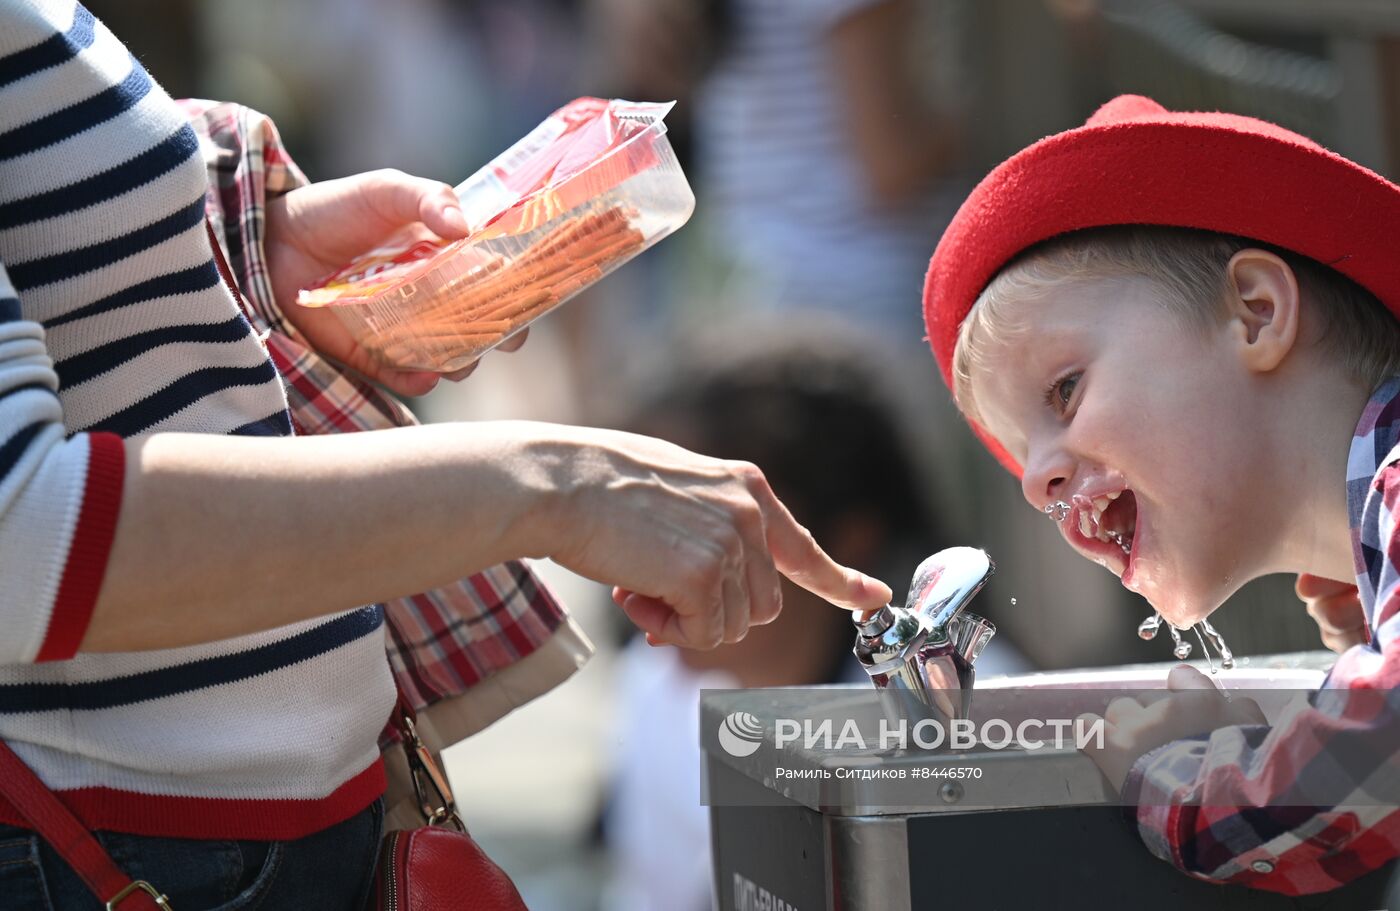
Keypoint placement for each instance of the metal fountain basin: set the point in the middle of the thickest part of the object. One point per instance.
(1057, 839)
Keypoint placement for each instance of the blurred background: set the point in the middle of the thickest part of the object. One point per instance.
(828, 142)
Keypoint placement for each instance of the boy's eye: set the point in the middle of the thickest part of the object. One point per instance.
(1059, 393)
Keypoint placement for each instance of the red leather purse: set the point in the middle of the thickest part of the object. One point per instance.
(437, 867)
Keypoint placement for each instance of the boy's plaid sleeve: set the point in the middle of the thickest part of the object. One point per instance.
(1310, 803)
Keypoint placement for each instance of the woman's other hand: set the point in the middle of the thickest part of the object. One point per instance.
(317, 229)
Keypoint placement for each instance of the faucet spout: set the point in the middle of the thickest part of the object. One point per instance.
(944, 584)
(922, 655)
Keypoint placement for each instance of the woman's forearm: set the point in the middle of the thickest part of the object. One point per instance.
(222, 536)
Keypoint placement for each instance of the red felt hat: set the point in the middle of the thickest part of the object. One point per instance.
(1135, 162)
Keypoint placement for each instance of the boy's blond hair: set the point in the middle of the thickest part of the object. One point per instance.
(1188, 269)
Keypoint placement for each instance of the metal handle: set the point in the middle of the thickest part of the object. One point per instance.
(139, 885)
(426, 775)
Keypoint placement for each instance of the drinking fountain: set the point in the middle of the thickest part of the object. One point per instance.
(1034, 829)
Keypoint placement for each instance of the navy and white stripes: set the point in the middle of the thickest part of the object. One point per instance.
(102, 191)
(58, 48)
(113, 323)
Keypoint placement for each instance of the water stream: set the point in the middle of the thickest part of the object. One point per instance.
(1147, 629)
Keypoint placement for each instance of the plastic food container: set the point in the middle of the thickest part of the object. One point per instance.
(586, 191)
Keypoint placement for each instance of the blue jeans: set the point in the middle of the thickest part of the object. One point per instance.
(332, 870)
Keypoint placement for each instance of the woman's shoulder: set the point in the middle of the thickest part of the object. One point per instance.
(50, 30)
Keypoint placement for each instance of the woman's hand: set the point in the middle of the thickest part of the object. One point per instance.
(1336, 606)
(317, 229)
(694, 546)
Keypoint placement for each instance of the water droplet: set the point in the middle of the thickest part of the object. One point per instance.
(1147, 629)
(1013, 602)
(1181, 649)
(1059, 510)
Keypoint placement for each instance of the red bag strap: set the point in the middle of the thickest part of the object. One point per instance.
(47, 815)
(225, 272)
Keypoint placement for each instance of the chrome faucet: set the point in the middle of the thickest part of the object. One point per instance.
(922, 656)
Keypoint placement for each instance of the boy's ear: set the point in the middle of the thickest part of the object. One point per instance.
(1262, 303)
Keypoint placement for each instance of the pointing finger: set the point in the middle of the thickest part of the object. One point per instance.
(797, 555)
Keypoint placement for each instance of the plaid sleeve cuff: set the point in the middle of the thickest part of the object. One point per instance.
(248, 165)
(1155, 791)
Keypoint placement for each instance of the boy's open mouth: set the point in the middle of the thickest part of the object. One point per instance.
(1102, 528)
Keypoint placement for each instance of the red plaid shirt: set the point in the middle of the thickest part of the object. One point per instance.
(1313, 802)
(440, 642)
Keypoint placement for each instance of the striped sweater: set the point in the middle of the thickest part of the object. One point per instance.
(114, 323)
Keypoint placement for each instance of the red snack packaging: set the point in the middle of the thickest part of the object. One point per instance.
(588, 189)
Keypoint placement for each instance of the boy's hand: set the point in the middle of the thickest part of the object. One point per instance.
(316, 229)
(1195, 706)
(1336, 606)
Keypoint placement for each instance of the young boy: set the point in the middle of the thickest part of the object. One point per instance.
(1136, 317)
